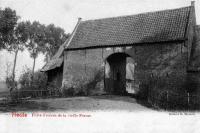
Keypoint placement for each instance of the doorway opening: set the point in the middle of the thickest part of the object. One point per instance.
(119, 74)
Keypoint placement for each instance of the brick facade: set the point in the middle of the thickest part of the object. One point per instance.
(166, 61)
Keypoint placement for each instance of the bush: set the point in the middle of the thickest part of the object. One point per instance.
(76, 86)
(165, 91)
(39, 81)
(10, 84)
(53, 89)
(69, 92)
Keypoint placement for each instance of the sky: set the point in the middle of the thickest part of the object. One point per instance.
(65, 13)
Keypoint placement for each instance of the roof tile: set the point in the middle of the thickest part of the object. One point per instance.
(148, 27)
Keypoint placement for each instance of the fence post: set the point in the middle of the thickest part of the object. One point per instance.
(148, 96)
(167, 100)
(17, 94)
(188, 100)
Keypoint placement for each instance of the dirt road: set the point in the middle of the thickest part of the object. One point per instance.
(94, 103)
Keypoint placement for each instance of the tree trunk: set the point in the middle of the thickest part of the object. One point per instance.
(33, 68)
(13, 72)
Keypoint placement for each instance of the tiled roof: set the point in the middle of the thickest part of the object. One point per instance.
(56, 60)
(148, 27)
(52, 64)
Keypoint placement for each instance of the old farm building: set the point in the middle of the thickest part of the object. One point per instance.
(54, 68)
(121, 54)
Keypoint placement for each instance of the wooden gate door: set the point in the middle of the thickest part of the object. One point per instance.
(118, 70)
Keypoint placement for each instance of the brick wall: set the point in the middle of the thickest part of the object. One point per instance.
(85, 68)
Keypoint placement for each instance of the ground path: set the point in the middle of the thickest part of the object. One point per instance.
(93, 103)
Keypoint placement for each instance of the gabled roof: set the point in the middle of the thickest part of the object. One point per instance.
(167, 25)
(56, 60)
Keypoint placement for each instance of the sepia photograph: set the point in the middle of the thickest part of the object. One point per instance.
(99, 66)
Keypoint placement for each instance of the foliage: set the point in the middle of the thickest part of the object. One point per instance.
(8, 22)
(53, 89)
(38, 83)
(19, 39)
(167, 92)
(9, 82)
(68, 92)
(44, 39)
(13, 35)
(54, 37)
(174, 82)
(76, 86)
(36, 37)
(83, 86)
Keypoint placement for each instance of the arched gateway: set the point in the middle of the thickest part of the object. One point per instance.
(117, 73)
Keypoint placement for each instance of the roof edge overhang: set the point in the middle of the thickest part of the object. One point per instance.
(44, 69)
(73, 33)
(182, 40)
(47, 70)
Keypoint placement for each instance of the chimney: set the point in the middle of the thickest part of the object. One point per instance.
(192, 3)
(79, 19)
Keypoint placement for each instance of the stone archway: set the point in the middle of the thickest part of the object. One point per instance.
(115, 73)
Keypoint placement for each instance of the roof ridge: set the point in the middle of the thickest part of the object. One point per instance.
(131, 29)
(144, 13)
